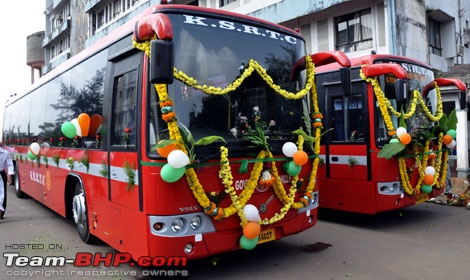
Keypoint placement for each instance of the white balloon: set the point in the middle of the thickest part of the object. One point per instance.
(452, 144)
(400, 131)
(35, 148)
(177, 159)
(251, 213)
(77, 127)
(289, 149)
(430, 170)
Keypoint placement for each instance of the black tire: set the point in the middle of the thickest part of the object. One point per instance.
(17, 184)
(80, 215)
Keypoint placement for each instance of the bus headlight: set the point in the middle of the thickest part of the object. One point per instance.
(314, 198)
(390, 188)
(177, 225)
(195, 222)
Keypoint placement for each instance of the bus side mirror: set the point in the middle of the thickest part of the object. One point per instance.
(161, 62)
(401, 91)
(345, 74)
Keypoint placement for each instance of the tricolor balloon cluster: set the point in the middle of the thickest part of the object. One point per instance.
(428, 181)
(449, 138)
(252, 228)
(299, 158)
(82, 126)
(34, 151)
(403, 136)
(176, 166)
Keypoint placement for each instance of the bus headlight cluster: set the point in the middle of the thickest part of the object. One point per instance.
(180, 225)
(314, 198)
(390, 188)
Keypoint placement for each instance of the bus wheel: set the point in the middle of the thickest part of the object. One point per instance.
(80, 216)
(16, 183)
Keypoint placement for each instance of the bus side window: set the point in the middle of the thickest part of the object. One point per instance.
(355, 118)
(337, 122)
(347, 119)
(125, 109)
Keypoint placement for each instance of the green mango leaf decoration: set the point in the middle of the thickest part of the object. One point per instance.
(390, 150)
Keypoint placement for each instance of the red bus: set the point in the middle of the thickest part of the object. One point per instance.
(366, 167)
(173, 135)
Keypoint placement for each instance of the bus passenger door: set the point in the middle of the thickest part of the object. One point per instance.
(122, 109)
(346, 152)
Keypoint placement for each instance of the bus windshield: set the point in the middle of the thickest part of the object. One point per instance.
(418, 77)
(215, 52)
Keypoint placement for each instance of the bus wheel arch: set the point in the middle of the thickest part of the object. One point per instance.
(77, 208)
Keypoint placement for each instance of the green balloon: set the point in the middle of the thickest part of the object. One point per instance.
(248, 244)
(170, 174)
(293, 169)
(452, 133)
(394, 140)
(31, 156)
(426, 188)
(68, 129)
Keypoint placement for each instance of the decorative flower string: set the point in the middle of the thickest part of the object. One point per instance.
(421, 157)
(385, 105)
(239, 201)
(252, 66)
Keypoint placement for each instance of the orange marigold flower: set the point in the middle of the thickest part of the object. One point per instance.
(304, 201)
(209, 210)
(169, 116)
(317, 124)
(166, 103)
(220, 214)
(317, 116)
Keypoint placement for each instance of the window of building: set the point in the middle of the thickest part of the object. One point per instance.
(354, 31)
(109, 11)
(225, 2)
(434, 36)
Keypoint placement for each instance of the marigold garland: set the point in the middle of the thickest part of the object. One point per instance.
(421, 157)
(225, 174)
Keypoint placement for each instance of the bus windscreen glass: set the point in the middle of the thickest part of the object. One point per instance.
(215, 52)
(418, 77)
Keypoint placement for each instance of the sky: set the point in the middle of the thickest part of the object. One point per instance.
(20, 18)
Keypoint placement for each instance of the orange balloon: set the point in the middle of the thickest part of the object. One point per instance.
(447, 139)
(429, 179)
(84, 122)
(251, 230)
(405, 138)
(300, 157)
(95, 122)
(164, 151)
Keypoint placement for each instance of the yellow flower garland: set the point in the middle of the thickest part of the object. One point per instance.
(239, 201)
(421, 158)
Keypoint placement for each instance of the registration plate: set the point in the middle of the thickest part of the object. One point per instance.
(421, 198)
(266, 236)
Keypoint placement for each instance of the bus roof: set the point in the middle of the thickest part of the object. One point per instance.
(129, 27)
(370, 59)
